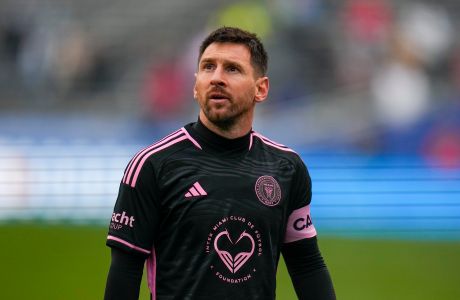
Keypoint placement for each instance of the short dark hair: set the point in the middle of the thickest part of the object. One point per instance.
(259, 57)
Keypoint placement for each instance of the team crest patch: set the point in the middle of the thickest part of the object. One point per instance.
(268, 190)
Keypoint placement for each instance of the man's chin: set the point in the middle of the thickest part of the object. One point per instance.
(221, 120)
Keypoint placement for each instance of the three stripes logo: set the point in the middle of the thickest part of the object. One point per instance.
(195, 191)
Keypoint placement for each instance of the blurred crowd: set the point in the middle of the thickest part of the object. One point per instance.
(47, 55)
(397, 62)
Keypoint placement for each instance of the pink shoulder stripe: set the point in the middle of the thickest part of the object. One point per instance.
(268, 140)
(271, 143)
(149, 153)
(135, 159)
(190, 138)
(251, 137)
(135, 166)
(113, 238)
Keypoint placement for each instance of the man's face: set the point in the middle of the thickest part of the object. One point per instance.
(226, 85)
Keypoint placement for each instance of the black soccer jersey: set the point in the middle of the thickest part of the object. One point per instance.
(211, 214)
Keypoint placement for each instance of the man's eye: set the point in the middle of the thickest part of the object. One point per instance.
(232, 69)
(208, 66)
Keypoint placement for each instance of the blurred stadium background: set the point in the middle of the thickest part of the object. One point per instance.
(368, 92)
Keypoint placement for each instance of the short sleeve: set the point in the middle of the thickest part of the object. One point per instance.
(299, 222)
(135, 217)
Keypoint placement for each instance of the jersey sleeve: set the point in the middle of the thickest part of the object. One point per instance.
(135, 217)
(299, 222)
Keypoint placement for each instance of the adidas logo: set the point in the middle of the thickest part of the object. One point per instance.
(196, 190)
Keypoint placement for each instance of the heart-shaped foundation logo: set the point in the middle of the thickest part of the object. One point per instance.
(234, 263)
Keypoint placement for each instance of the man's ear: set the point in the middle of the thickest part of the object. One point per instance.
(262, 87)
(194, 89)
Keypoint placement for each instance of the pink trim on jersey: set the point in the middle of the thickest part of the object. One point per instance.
(141, 151)
(190, 138)
(133, 162)
(152, 274)
(269, 140)
(299, 225)
(250, 140)
(148, 154)
(272, 143)
(113, 238)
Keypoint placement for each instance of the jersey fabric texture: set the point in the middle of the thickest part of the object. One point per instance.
(211, 214)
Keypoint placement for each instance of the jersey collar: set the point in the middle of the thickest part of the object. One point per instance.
(213, 142)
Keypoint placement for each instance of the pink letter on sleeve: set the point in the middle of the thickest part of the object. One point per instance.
(299, 225)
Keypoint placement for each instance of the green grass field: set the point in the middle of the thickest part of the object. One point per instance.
(71, 262)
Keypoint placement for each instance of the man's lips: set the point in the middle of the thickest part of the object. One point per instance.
(218, 96)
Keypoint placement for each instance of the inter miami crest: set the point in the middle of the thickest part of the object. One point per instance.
(268, 190)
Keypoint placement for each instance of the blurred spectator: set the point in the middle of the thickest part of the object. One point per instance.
(367, 21)
(72, 58)
(365, 26)
(313, 56)
(36, 59)
(400, 88)
(12, 36)
(441, 140)
(304, 62)
(52, 54)
(428, 31)
(79, 64)
(442, 145)
(164, 91)
(15, 25)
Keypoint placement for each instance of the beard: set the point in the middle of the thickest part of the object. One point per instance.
(226, 115)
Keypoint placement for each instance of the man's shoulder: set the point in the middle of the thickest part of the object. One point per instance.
(157, 152)
(169, 144)
(266, 144)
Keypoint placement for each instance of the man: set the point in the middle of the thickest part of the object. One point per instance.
(212, 205)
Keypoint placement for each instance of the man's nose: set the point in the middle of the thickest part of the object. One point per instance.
(218, 77)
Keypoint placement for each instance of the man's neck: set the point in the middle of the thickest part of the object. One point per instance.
(236, 130)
